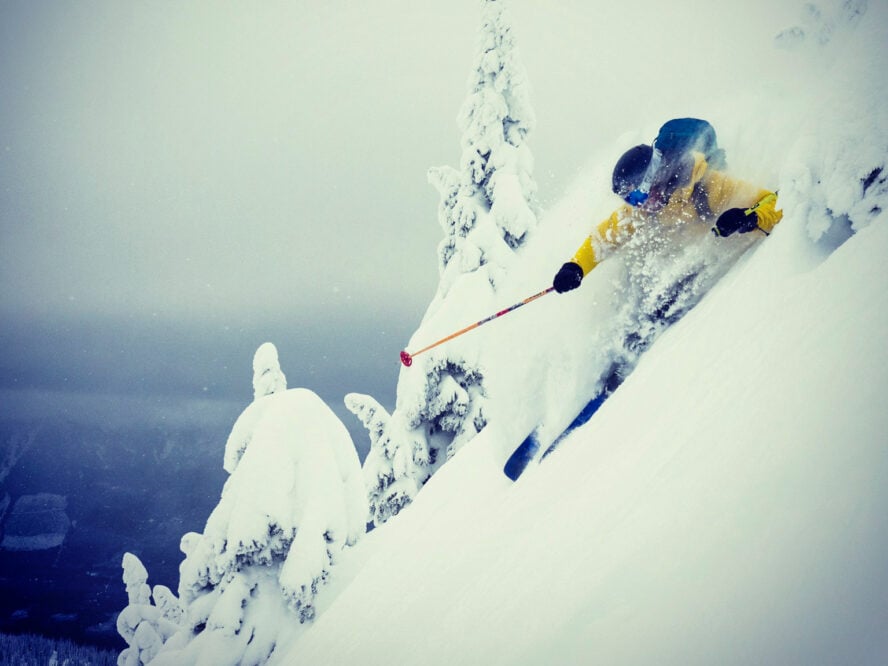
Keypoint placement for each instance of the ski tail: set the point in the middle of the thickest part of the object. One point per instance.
(521, 457)
(527, 450)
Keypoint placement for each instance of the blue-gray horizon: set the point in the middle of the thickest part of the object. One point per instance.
(47, 371)
(179, 184)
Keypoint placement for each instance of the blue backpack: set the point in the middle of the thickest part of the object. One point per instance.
(682, 135)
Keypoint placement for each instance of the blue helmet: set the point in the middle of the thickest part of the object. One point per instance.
(644, 168)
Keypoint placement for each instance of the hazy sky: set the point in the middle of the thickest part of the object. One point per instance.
(181, 182)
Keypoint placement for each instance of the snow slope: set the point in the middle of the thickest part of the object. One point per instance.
(729, 504)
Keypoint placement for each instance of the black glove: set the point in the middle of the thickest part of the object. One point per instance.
(735, 220)
(568, 277)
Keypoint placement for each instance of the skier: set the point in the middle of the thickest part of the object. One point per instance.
(680, 177)
(677, 178)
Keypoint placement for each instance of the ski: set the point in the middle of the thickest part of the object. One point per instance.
(521, 457)
(581, 419)
(527, 450)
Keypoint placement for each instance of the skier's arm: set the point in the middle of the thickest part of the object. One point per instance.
(607, 235)
(588, 256)
(733, 198)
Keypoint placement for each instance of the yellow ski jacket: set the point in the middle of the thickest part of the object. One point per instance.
(707, 195)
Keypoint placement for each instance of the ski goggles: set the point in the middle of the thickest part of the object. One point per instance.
(639, 195)
(636, 197)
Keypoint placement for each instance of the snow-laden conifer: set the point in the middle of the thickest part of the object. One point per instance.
(295, 499)
(144, 626)
(487, 206)
(487, 211)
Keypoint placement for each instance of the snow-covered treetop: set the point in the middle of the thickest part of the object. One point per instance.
(488, 206)
(267, 375)
(135, 577)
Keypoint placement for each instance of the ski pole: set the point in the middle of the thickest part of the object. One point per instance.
(407, 358)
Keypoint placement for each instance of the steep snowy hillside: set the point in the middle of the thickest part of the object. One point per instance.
(728, 504)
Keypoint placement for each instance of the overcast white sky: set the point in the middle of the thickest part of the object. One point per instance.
(180, 182)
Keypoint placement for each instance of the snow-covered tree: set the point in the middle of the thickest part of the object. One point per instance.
(425, 431)
(488, 205)
(487, 211)
(144, 626)
(394, 470)
(295, 499)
